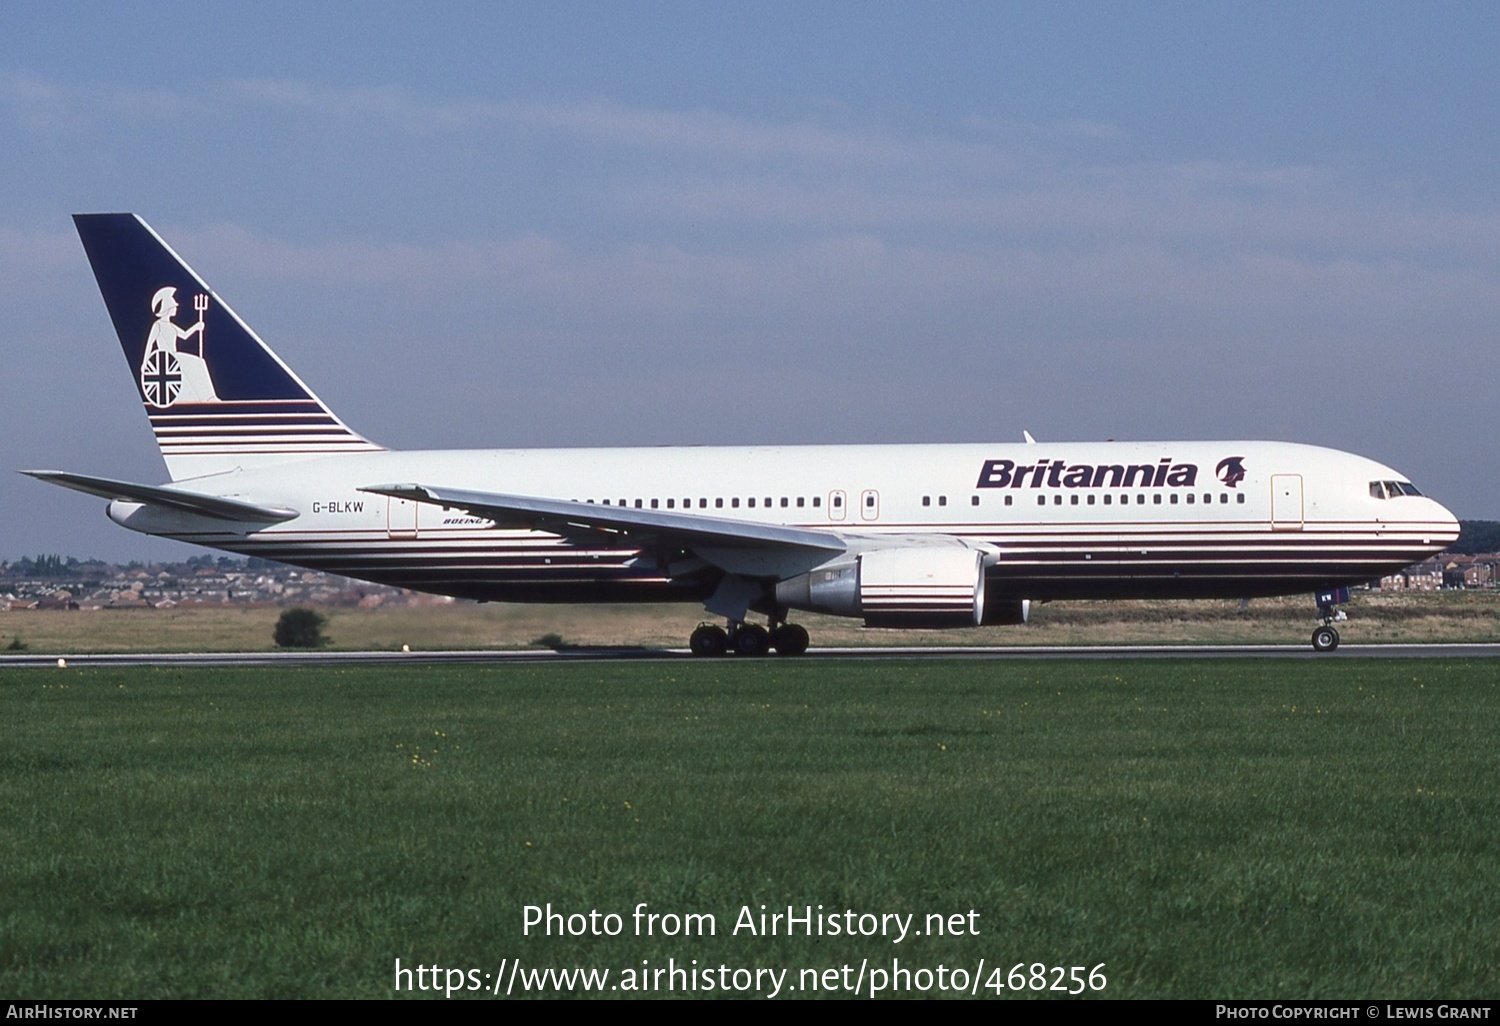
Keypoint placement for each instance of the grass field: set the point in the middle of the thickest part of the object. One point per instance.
(1203, 828)
(1375, 617)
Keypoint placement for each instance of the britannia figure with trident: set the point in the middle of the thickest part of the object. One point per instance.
(171, 373)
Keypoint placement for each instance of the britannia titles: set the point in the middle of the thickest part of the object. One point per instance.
(1057, 474)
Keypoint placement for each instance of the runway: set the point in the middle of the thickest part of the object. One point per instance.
(511, 657)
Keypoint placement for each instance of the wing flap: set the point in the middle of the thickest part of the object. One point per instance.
(214, 506)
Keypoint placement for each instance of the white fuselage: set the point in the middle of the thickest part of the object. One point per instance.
(1113, 519)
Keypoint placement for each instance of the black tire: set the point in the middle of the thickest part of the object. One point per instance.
(708, 640)
(1325, 639)
(751, 640)
(790, 639)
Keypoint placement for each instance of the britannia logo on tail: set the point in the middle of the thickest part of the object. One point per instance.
(174, 369)
(1231, 470)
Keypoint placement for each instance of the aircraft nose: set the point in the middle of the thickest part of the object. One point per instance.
(1447, 532)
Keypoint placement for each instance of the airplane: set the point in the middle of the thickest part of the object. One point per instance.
(899, 536)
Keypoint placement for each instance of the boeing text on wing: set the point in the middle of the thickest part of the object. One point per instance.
(897, 536)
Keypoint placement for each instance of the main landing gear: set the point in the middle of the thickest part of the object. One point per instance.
(1326, 638)
(748, 639)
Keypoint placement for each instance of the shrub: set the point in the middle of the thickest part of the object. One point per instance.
(300, 627)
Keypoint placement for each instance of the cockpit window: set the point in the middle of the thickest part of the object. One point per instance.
(1391, 489)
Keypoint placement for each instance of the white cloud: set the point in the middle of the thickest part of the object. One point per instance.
(45, 107)
(1075, 183)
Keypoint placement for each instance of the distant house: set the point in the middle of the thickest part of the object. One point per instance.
(1465, 571)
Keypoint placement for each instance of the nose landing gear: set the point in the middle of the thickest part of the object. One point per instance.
(1326, 638)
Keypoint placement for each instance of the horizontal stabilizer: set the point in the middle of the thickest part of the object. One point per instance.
(171, 498)
(566, 517)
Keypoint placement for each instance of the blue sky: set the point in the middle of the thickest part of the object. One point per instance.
(575, 224)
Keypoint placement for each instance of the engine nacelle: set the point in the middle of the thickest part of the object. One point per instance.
(937, 586)
(832, 588)
(1006, 612)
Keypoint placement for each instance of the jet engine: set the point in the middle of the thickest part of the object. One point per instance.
(935, 586)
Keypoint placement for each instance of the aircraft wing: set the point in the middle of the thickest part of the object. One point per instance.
(172, 498)
(735, 545)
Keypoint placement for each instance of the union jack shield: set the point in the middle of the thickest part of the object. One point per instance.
(161, 378)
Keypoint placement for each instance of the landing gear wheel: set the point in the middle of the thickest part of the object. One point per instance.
(708, 640)
(1325, 639)
(751, 640)
(789, 639)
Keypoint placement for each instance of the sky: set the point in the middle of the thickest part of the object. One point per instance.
(557, 224)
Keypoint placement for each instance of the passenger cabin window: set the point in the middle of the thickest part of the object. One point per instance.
(734, 503)
(800, 501)
(927, 500)
(817, 501)
(942, 500)
(973, 500)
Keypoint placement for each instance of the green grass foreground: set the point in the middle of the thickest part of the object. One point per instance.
(1220, 828)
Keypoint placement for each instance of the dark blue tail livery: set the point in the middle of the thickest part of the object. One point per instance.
(218, 398)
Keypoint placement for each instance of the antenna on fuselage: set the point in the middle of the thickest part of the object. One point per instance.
(1027, 436)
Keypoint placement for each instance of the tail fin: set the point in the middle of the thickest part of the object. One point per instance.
(218, 398)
